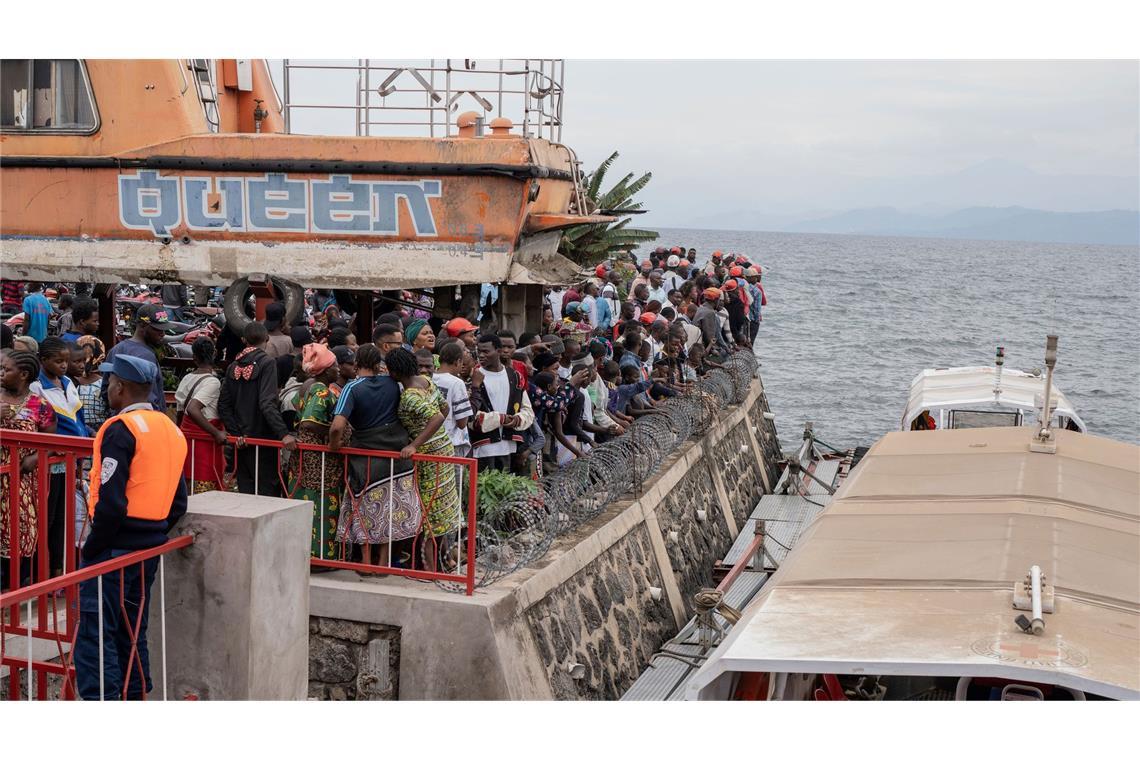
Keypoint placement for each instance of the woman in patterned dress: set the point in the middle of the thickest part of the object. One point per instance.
(20, 409)
(91, 381)
(422, 412)
(308, 479)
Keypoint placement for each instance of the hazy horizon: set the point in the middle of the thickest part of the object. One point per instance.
(803, 139)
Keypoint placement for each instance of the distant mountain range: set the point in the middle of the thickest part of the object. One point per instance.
(994, 199)
(1116, 227)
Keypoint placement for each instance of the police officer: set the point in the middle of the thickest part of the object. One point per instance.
(137, 496)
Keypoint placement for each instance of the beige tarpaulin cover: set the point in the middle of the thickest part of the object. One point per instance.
(911, 569)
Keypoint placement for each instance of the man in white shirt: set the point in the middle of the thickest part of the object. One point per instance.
(590, 303)
(501, 407)
(657, 290)
(672, 280)
(454, 390)
(554, 298)
(609, 292)
(692, 332)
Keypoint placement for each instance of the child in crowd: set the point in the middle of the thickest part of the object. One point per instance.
(58, 390)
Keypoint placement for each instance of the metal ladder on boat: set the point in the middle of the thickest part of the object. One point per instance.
(207, 89)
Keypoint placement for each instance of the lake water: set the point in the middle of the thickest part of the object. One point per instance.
(851, 320)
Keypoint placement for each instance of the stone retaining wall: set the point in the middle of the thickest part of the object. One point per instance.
(349, 660)
(605, 620)
(590, 601)
(690, 542)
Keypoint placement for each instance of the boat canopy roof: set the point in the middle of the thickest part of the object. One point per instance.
(972, 388)
(911, 570)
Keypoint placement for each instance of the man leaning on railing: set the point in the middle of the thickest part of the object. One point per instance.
(137, 496)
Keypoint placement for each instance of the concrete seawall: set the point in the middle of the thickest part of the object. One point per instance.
(579, 624)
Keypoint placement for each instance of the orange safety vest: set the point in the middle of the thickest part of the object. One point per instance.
(160, 453)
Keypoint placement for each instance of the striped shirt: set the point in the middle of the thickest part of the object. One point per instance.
(369, 402)
(454, 391)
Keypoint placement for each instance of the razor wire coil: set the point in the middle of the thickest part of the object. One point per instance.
(525, 528)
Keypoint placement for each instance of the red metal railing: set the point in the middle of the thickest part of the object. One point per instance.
(63, 632)
(427, 551)
(36, 485)
(457, 552)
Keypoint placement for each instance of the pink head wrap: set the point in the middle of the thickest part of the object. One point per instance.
(316, 358)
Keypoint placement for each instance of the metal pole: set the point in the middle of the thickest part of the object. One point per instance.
(321, 535)
(28, 623)
(99, 590)
(285, 90)
(1037, 625)
(256, 470)
(367, 97)
(391, 499)
(526, 97)
(358, 91)
(472, 511)
(1050, 363)
(162, 616)
(427, 98)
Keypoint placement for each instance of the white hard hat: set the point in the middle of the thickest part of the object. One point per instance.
(673, 261)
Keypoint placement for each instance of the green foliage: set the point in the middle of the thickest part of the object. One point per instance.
(496, 489)
(589, 244)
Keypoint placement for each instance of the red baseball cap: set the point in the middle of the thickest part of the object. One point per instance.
(600, 270)
(458, 326)
(648, 318)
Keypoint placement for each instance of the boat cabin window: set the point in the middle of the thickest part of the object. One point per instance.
(963, 419)
(46, 95)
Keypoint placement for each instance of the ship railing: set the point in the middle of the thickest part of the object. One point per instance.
(419, 524)
(421, 98)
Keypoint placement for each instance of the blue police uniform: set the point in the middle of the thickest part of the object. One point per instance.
(137, 497)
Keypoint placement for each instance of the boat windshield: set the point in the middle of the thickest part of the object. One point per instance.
(961, 419)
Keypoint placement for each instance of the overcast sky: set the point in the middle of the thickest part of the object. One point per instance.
(801, 136)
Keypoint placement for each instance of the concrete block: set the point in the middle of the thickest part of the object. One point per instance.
(237, 601)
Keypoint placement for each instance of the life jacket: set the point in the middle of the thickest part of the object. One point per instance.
(160, 453)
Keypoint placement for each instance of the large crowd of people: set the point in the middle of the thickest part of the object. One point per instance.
(609, 350)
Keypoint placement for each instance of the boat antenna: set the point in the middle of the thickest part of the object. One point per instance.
(1044, 442)
(999, 360)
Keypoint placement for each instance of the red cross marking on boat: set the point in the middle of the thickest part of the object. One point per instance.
(1029, 651)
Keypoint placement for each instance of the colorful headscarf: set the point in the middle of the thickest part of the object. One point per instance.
(98, 350)
(316, 358)
(412, 331)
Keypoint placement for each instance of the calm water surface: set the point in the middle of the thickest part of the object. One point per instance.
(851, 320)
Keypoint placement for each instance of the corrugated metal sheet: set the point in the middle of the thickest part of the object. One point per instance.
(785, 517)
(664, 676)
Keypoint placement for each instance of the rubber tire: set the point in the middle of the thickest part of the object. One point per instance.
(236, 294)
